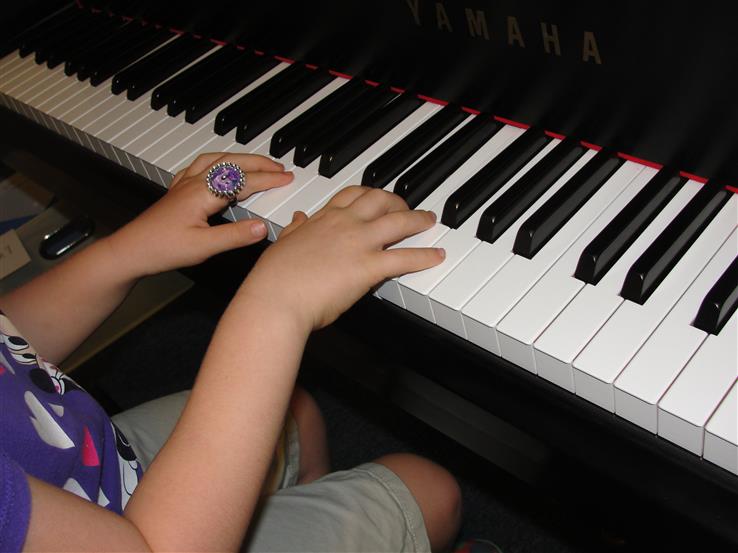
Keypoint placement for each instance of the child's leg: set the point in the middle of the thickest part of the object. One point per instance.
(436, 492)
(314, 459)
(401, 503)
(148, 426)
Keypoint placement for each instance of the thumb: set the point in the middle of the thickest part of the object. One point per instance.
(229, 236)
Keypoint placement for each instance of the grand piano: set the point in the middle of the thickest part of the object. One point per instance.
(582, 161)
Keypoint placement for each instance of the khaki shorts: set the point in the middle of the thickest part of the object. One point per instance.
(365, 509)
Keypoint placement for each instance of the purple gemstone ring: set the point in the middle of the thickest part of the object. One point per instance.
(226, 180)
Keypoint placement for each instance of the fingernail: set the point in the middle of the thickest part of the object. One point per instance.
(258, 228)
(441, 252)
(432, 214)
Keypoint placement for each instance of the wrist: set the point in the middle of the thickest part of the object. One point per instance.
(128, 253)
(268, 302)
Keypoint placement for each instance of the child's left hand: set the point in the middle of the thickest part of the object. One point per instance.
(174, 232)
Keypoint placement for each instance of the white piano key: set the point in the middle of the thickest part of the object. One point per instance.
(58, 81)
(484, 311)
(45, 79)
(528, 319)
(18, 74)
(615, 344)
(560, 343)
(652, 370)
(415, 287)
(700, 387)
(26, 79)
(459, 243)
(10, 61)
(721, 433)
(310, 198)
(484, 260)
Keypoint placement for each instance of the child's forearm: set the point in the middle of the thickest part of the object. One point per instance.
(201, 490)
(57, 310)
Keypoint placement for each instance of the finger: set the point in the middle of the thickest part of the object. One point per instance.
(346, 196)
(377, 202)
(247, 162)
(397, 225)
(256, 182)
(251, 162)
(201, 163)
(298, 218)
(177, 178)
(400, 261)
(221, 238)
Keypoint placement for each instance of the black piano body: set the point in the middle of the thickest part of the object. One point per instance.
(654, 82)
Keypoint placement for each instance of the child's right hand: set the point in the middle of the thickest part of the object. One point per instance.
(322, 265)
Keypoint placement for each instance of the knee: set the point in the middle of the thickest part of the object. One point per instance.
(436, 492)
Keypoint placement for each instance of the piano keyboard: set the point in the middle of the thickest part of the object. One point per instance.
(611, 279)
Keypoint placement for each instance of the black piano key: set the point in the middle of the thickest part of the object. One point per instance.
(159, 57)
(14, 42)
(367, 133)
(193, 76)
(336, 126)
(27, 43)
(425, 176)
(230, 117)
(655, 263)
(203, 99)
(610, 244)
(60, 35)
(310, 120)
(470, 196)
(160, 64)
(98, 43)
(720, 302)
(544, 223)
(399, 157)
(108, 49)
(133, 52)
(153, 75)
(281, 106)
(511, 205)
(100, 26)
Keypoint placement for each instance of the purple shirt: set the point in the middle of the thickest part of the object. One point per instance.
(53, 430)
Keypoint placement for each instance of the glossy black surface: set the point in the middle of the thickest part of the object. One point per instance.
(367, 133)
(720, 302)
(610, 244)
(540, 227)
(176, 88)
(428, 174)
(655, 263)
(333, 128)
(308, 122)
(131, 53)
(258, 98)
(76, 60)
(490, 178)
(231, 81)
(109, 48)
(100, 25)
(399, 157)
(159, 65)
(660, 86)
(511, 205)
(279, 106)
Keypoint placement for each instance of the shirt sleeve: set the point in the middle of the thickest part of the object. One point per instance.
(15, 505)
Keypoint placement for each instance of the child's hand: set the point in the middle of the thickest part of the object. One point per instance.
(320, 266)
(174, 232)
